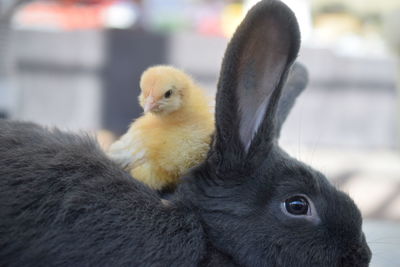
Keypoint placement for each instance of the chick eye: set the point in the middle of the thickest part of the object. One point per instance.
(297, 205)
(168, 94)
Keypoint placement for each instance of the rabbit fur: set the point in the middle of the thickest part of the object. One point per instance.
(64, 203)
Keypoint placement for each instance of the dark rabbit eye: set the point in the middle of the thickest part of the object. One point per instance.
(297, 205)
(168, 94)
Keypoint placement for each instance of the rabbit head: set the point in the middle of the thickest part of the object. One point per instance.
(257, 204)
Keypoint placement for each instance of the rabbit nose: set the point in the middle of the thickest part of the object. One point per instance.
(359, 256)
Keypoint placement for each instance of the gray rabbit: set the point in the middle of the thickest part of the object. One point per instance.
(64, 203)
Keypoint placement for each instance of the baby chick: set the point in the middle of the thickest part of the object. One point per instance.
(174, 133)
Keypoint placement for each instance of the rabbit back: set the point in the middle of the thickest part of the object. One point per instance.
(63, 203)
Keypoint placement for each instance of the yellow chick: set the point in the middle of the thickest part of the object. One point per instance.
(174, 133)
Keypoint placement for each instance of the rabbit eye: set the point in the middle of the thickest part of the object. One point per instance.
(168, 94)
(297, 205)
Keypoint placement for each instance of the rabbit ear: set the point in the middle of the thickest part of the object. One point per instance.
(295, 84)
(253, 71)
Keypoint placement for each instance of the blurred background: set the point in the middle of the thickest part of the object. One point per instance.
(75, 64)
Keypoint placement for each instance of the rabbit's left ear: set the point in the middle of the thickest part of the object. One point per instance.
(254, 69)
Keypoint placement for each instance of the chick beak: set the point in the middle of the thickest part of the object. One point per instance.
(150, 104)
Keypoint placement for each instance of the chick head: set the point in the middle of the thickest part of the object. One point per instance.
(164, 89)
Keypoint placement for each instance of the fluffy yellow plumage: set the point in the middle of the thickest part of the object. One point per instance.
(174, 133)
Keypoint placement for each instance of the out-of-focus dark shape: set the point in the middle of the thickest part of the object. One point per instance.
(127, 55)
(83, 79)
